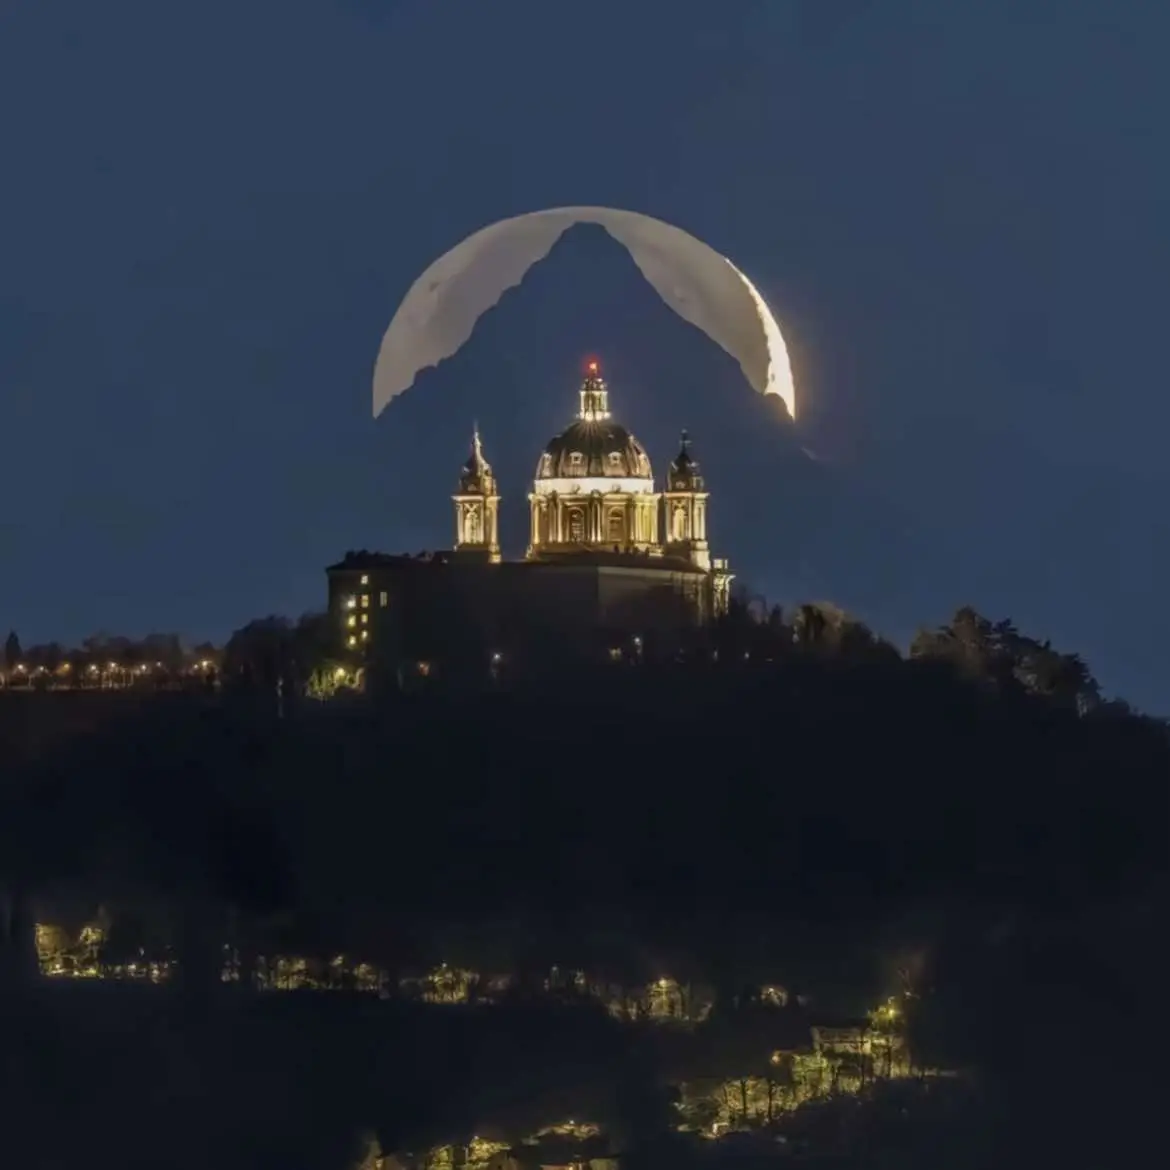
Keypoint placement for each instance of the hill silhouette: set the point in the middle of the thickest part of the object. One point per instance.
(970, 832)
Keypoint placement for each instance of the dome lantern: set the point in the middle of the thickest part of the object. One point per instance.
(594, 395)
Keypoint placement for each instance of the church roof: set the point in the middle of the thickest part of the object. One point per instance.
(587, 448)
(597, 558)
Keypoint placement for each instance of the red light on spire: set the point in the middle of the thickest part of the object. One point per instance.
(593, 367)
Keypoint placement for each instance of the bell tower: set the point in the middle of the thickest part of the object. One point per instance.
(685, 509)
(477, 507)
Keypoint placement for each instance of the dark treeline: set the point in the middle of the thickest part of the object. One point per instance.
(972, 824)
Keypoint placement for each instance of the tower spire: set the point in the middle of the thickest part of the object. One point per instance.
(684, 472)
(477, 504)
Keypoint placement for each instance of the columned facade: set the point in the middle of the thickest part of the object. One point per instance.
(612, 515)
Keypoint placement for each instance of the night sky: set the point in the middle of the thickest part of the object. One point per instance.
(958, 211)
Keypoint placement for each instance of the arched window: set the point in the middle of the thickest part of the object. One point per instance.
(576, 525)
(615, 526)
(678, 523)
(473, 527)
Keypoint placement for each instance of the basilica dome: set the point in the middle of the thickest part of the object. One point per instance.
(594, 449)
(593, 445)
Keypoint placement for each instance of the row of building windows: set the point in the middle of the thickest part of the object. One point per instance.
(352, 620)
(364, 600)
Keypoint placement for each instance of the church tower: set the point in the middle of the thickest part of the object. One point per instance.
(685, 509)
(477, 507)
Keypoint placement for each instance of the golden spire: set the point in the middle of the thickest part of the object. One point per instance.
(477, 471)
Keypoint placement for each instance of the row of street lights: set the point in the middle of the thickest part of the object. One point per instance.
(110, 674)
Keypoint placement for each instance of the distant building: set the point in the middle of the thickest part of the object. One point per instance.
(612, 563)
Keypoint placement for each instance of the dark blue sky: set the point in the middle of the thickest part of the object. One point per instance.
(209, 211)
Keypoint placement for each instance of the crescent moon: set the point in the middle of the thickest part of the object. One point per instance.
(441, 308)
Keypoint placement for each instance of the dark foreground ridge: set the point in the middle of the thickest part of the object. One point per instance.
(828, 858)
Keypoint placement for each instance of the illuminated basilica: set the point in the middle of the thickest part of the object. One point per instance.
(609, 559)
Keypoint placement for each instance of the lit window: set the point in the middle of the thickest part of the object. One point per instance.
(365, 619)
(365, 579)
(350, 602)
(351, 640)
(383, 599)
(365, 635)
(351, 621)
(365, 601)
(424, 668)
